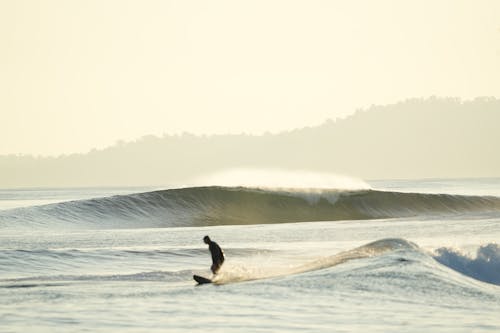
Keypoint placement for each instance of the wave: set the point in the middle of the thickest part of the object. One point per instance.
(231, 273)
(392, 252)
(485, 266)
(53, 261)
(386, 257)
(205, 206)
(389, 256)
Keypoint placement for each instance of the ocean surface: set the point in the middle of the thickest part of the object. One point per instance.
(383, 256)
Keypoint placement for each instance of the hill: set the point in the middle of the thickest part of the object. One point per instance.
(417, 138)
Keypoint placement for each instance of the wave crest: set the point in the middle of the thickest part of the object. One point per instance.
(485, 266)
(203, 206)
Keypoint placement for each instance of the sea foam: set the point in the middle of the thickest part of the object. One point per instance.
(484, 266)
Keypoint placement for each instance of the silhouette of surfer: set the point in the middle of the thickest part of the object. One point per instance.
(217, 254)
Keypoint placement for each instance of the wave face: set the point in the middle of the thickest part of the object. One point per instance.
(204, 206)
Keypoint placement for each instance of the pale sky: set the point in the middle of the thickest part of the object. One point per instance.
(77, 75)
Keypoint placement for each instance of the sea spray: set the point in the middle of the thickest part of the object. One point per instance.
(281, 179)
(484, 266)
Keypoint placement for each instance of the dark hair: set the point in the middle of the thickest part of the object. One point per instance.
(206, 239)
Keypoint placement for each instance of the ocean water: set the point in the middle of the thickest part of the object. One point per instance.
(391, 256)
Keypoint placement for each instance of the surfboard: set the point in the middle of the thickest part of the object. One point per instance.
(201, 279)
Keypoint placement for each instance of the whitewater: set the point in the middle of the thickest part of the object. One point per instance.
(377, 256)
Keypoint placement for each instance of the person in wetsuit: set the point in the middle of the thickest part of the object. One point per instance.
(217, 254)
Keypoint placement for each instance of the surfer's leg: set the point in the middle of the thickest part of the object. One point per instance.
(215, 268)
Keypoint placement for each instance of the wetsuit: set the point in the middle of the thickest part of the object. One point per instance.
(217, 256)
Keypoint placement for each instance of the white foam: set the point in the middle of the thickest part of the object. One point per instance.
(485, 266)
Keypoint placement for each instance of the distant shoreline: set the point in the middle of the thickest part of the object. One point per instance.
(414, 139)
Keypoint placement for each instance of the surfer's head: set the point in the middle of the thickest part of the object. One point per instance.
(206, 239)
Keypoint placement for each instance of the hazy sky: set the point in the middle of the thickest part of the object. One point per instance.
(81, 74)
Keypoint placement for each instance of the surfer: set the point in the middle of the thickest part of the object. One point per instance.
(217, 254)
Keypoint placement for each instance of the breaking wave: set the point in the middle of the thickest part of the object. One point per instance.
(485, 266)
(204, 206)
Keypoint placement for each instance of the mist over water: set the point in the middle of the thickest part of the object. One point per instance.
(281, 179)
